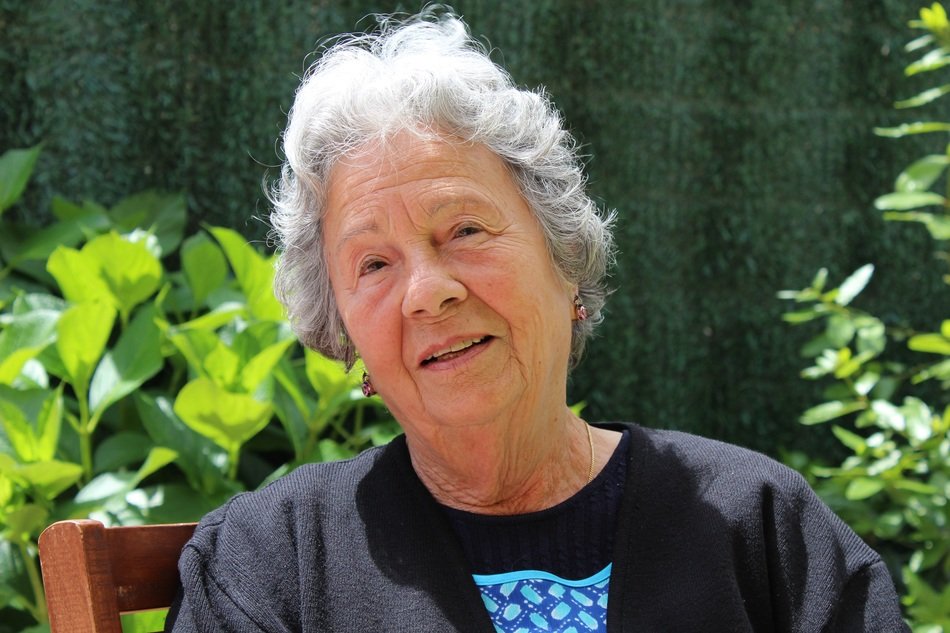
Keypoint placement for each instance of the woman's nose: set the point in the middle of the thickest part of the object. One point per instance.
(431, 290)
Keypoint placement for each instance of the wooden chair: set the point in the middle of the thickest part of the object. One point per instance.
(93, 574)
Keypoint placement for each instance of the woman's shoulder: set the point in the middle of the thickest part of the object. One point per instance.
(298, 502)
(711, 460)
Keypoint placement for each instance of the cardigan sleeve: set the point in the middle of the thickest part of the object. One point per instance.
(203, 606)
(823, 577)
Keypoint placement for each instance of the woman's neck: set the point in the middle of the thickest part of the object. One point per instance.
(509, 468)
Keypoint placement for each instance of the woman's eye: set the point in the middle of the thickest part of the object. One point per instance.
(466, 230)
(371, 266)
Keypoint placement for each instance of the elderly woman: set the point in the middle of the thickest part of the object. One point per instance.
(434, 224)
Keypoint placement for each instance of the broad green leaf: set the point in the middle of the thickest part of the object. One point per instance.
(945, 328)
(829, 411)
(905, 200)
(221, 315)
(160, 214)
(328, 377)
(255, 274)
(158, 458)
(93, 215)
(19, 432)
(923, 98)
(25, 336)
(50, 478)
(854, 284)
(31, 420)
(852, 440)
(78, 276)
(222, 365)
(144, 621)
(930, 343)
(922, 174)
(120, 451)
(137, 356)
(261, 365)
(937, 224)
(26, 522)
(194, 345)
(82, 333)
(204, 266)
(131, 272)
(228, 419)
(22, 243)
(16, 166)
(203, 462)
(862, 488)
(104, 486)
(919, 487)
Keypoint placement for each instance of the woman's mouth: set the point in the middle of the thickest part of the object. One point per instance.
(454, 350)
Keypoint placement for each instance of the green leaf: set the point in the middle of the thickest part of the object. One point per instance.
(144, 621)
(854, 284)
(129, 269)
(16, 166)
(829, 411)
(852, 440)
(228, 419)
(203, 462)
(937, 224)
(78, 276)
(82, 333)
(120, 451)
(905, 129)
(50, 478)
(922, 174)
(161, 214)
(204, 266)
(21, 243)
(862, 488)
(25, 336)
(930, 343)
(262, 364)
(923, 98)
(136, 357)
(254, 273)
(24, 523)
(905, 200)
(158, 458)
(222, 365)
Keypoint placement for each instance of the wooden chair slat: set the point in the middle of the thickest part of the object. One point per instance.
(92, 574)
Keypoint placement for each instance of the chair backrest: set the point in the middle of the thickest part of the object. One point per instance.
(92, 574)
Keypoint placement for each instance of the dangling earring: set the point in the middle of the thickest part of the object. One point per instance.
(367, 386)
(580, 309)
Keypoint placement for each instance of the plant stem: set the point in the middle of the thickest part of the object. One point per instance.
(37, 610)
(85, 435)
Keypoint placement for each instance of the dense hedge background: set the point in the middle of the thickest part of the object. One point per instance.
(733, 138)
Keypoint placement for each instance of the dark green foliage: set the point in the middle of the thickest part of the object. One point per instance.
(733, 138)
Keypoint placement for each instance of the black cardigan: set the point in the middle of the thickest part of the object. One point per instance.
(711, 537)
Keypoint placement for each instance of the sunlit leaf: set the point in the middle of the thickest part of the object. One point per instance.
(922, 173)
(228, 419)
(25, 336)
(204, 266)
(255, 274)
(905, 129)
(905, 200)
(132, 273)
(82, 333)
(136, 357)
(829, 411)
(930, 343)
(923, 98)
(78, 276)
(862, 488)
(854, 284)
(161, 214)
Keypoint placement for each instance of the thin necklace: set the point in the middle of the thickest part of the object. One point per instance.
(590, 440)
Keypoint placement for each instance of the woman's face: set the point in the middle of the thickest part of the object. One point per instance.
(445, 285)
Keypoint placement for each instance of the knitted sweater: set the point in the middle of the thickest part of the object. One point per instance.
(711, 537)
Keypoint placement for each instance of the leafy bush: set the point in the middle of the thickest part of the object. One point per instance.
(893, 488)
(145, 376)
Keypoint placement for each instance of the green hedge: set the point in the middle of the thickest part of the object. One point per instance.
(733, 138)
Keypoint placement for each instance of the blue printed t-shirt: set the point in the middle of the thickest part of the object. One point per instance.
(549, 570)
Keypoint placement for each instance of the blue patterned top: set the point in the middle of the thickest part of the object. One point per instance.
(530, 601)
